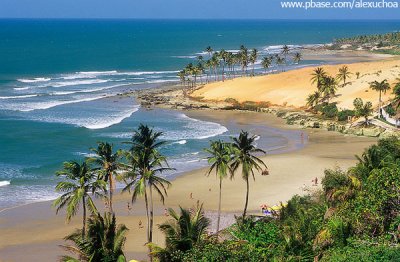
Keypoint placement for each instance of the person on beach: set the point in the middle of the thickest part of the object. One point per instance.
(166, 212)
(129, 207)
(140, 224)
(191, 195)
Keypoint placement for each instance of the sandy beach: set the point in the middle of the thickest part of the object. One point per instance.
(36, 230)
(291, 88)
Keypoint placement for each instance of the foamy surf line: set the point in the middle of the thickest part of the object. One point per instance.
(51, 104)
(5, 183)
(112, 120)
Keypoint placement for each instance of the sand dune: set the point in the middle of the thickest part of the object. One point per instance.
(291, 88)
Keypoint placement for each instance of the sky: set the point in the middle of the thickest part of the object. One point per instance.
(182, 9)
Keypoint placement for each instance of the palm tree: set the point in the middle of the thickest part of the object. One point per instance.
(222, 56)
(328, 87)
(297, 57)
(362, 110)
(104, 241)
(313, 99)
(81, 181)
(209, 50)
(396, 92)
(219, 159)
(266, 63)
(244, 157)
(382, 86)
(144, 164)
(182, 76)
(215, 64)
(182, 232)
(285, 51)
(344, 73)
(243, 55)
(280, 61)
(108, 164)
(253, 58)
(318, 76)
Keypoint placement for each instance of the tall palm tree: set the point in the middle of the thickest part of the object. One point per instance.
(280, 61)
(80, 181)
(396, 92)
(363, 110)
(285, 51)
(297, 57)
(108, 163)
(183, 232)
(182, 76)
(104, 241)
(253, 58)
(209, 50)
(344, 73)
(266, 63)
(382, 86)
(328, 87)
(243, 55)
(244, 157)
(219, 159)
(313, 99)
(215, 64)
(222, 56)
(145, 163)
(318, 76)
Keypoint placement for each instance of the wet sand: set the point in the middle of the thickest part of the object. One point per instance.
(33, 232)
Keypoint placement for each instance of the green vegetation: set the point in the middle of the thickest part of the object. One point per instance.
(362, 110)
(380, 39)
(103, 241)
(381, 87)
(383, 43)
(219, 161)
(223, 65)
(343, 74)
(354, 217)
(245, 159)
(144, 164)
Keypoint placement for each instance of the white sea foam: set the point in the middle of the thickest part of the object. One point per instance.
(194, 129)
(77, 82)
(185, 56)
(17, 97)
(85, 90)
(109, 121)
(160, 81)
(27, 107)
(22, 88)
(180, 142)
(4, 183)
(38, 79)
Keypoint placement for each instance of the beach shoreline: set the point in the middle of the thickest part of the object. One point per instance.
(35, 227)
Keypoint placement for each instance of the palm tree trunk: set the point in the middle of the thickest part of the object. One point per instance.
(151, 222)
(219, 204)
(111, 184)
(380, 103)
(247, 198)
(148, 222)
(84, 216)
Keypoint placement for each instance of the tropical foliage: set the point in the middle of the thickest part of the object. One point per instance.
(104, 241)
(355, 217)
(222, 65)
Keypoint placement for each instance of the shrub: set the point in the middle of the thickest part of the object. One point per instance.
(344, 114)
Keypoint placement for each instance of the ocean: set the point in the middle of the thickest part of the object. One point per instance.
(59, 80)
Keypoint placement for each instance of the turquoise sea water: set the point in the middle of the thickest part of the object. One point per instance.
(59, 78)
